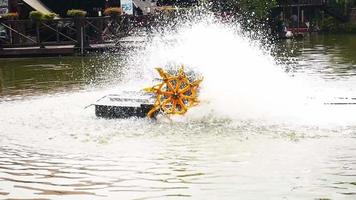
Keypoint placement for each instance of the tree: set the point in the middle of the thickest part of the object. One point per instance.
(255, 8)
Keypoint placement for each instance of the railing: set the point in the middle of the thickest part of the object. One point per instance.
(31, 33)
(73, 31)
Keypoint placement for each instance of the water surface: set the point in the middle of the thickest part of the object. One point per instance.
(53, 148)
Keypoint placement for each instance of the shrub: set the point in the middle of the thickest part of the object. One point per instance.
(350, 28)
(49, 16)
(113, 11)
(331, 25)
(11, 15)
(76, 13)
(36, 15)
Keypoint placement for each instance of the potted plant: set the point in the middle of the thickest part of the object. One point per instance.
(49, 16)
(79, 22)
(113, 11)
(36, 16)
(10, 16)
(76, 13)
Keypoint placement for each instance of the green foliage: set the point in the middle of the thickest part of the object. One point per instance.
(76, 13)
(331, 25)
(36, 15)
(49, 16)
(258, 8)
(10, 16)
(350, 28)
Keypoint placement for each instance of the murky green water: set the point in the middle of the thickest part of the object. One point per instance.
(53, 148)
(324, 55)
(35, 76)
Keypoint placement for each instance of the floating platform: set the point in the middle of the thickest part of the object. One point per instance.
(124, 105)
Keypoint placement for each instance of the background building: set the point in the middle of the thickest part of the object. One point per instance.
(93, 7)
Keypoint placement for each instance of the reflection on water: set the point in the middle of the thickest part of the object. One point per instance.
(31, 76)
(331, 56)
(53, 148)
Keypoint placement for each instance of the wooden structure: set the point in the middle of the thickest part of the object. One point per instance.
(79, 34)
(298, 14)
(331, 7)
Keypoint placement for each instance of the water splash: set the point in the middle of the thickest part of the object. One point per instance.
(242, 79)
(243, 90)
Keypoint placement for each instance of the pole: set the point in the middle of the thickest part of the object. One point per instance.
(57, 33)
(298, 21)
(10, 33)
(38, 33)
(81, 40)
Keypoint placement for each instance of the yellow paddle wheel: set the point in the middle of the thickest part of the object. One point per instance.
(175, 94)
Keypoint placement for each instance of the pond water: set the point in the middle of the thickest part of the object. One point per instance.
(54, 148)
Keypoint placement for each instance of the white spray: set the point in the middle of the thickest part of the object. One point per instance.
(241, 80)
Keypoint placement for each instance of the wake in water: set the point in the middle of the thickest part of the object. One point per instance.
(241, 78)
